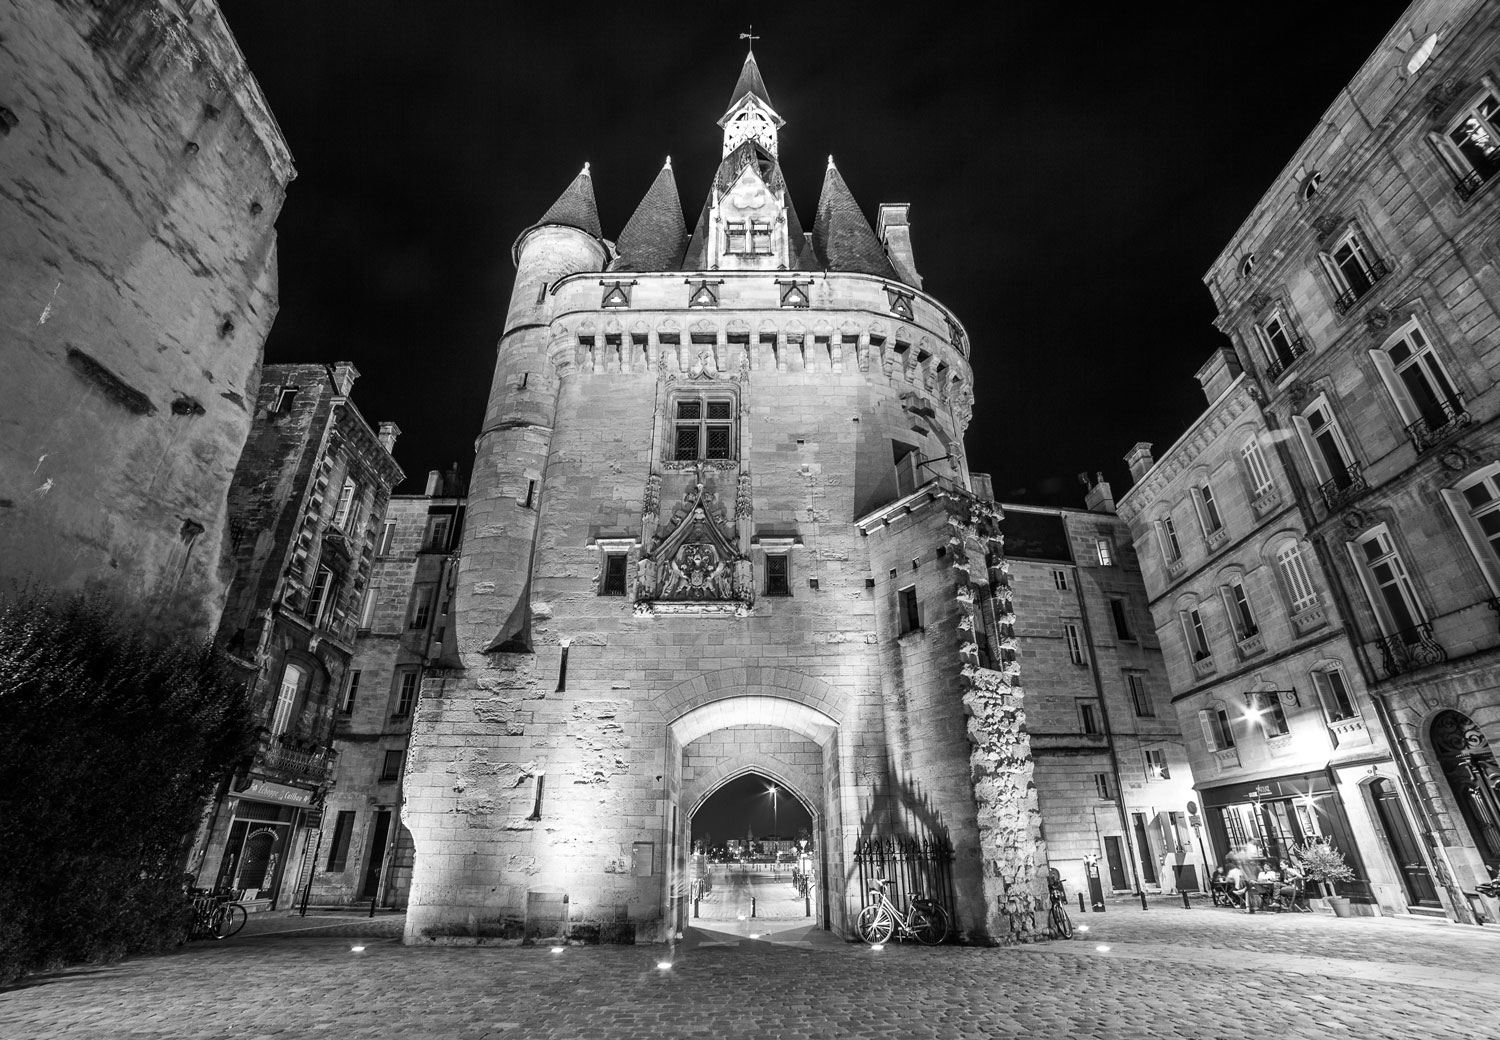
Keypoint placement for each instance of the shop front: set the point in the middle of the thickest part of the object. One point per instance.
(263, 822)
(1269, 817)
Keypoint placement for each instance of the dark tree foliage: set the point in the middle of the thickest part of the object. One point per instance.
(111, 737)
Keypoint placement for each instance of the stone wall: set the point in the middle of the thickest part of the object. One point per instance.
(142, 178)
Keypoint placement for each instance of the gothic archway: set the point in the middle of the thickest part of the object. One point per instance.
(1473, 774)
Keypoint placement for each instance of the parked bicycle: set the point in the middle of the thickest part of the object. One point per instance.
(216, 915)
(1062, 927)
(923, 919)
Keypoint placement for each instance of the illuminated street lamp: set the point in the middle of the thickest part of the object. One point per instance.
(775, 825)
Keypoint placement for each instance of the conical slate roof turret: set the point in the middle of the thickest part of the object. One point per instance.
(656, 236)
(574, 208)
(749, 83)
(841, 236)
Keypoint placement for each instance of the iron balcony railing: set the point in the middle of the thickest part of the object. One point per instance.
(304, 765)
(1285, 360)
(1343, 488)
(1409, 650)
(1352, 295)
(1477, 178)
(1442, 419)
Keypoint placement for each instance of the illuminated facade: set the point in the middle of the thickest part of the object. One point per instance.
(1360, 298)
(720, 523)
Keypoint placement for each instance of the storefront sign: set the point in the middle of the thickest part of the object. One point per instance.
(265, 791)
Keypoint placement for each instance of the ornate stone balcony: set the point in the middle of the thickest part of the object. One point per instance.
(1217, 537)
(1176, 567)
(1203, 667)
(1309, 619)
(1227, 758)
(1266, 501)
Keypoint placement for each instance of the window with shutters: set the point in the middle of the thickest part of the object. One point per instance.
(1166, 533)
(1352, 268)
(1237, 607)
(1257, 474)
(1333, 693)
(1470, 143)
(1140, 695)
(1387, 584)
(1208, 511)
(344, 514)
(1419, 384)
(1475, 505)
(1217, 732)
(703, 427)
(1282, 347)
(1194, 634)
(1266, 710)
(293, 680)
(1298, 585)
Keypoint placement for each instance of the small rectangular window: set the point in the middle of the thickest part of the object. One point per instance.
(1074, 639)
(1117, 614)
(1060, 579)
(345, 511)
(1192, 631)
(351, 691)
(1140, 696)
(614, 575)
(338, 848)
(390, 769)
(387, 536)
(778, 575)
(421, 609)
(321, 597)
(437, 534)
(1156, 764)
(1333, 691)
(1088, 716)
(1256, 470)
(910, 618)
(1106, 551)
(367, 607)
(406, 696)
(1102, 786)
(1212, 521)
(735, 240)
(1266, 709)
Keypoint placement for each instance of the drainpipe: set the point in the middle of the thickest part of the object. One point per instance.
(1109, 736)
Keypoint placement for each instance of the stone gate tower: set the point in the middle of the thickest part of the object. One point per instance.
(720, 522)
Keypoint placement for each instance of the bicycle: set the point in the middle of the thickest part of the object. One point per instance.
(216, 915)
(924, 920)
(1062, 927)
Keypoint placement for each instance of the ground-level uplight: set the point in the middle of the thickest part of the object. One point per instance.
(1102, 949)
(557, 949)
(356, 949)
(1082, 928)
(664, 965)
(877, 947)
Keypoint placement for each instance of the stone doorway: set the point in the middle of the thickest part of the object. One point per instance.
(770, 766)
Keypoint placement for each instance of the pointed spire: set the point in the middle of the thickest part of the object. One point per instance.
(656, 235)
(749, 83)
(841, 236)
(575, 206)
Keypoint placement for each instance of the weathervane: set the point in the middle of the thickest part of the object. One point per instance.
(750, 36)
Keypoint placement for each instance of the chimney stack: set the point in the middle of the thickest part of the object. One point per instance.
(434, 483)
(344, 375)
(1139, 460)
(1099, 498)
(1220, 370)
(894, 232)
(389, 431)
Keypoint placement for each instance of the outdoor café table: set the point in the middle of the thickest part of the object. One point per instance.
(1257, 893)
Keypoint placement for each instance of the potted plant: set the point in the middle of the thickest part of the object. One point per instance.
(1323, 863)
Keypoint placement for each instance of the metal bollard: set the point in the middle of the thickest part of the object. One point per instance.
(372, 903)
(806, 904)
(1144, 906)
(1081, 910)
(752, 906)
(1185, 904)
(695, 907)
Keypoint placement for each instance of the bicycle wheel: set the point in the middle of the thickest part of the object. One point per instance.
(1061, 926)
(930, 924)
(874, 924)
(231, 921)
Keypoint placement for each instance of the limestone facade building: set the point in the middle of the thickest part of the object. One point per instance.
(1111, 767)
(720, 488)
(1360, 296)
(365, 851)
(143, 173)
(305, 510)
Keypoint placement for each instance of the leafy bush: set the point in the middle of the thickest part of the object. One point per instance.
(111, 737)
(1323, 863)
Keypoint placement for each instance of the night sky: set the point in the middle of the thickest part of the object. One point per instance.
(1072, 171)
(746, 802)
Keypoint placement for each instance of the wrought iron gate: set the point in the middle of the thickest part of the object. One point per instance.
(912, 867)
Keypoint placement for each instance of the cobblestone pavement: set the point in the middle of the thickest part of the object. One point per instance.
(1164, 973)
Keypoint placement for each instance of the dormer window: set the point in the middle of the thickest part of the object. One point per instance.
(1247, 266)
(760, 237)
(736, 239)
(747, 237)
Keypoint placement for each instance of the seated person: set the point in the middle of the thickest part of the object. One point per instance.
(1238, 883)
(1293, 882)
(1218, 886)
(1266, 883)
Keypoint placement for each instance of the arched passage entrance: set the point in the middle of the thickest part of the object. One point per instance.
(789, 747)
(1469, 763)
